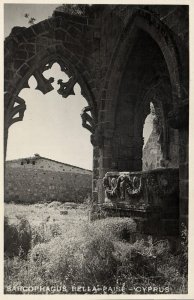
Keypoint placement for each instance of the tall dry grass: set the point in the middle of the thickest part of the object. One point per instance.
(71, 251)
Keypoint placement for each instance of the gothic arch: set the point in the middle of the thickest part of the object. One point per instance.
(31, 51)
(161, 34)
(39, 64)
(54, 36)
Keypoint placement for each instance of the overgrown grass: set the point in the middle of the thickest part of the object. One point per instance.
(68, 250)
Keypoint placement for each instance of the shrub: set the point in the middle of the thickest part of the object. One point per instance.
(63, 212)
(14, 270)
(44, 232)
(97, 213)
(69, 205)
(89, 255)
(11, 239)
(120, 228)
(135, 262)
(39, 205)
(89, 261)
(25, 236)
(96, 253)
(39, 254)
(17, 238)
(55, 229)
(183, 256)
(54, 204)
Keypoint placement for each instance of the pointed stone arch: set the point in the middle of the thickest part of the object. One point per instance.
(38, 64)
(31, 51)
(109, 102)
(161, 34)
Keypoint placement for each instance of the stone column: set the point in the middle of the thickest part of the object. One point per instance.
(179, 119)
(102, 162)
(183, 175)
(95, 176)
(104, 166)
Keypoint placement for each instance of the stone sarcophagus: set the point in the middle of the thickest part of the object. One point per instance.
(150, 196)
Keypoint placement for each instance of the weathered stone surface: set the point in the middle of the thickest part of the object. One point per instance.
(147, 188)
(123, 57)
(149, 195)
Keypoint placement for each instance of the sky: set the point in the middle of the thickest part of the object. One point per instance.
(52, 125)
(14, 14)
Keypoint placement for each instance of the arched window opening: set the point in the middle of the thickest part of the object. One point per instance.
(152, 154)
(52, 125)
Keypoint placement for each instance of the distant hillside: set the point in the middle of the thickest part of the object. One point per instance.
(39, 179)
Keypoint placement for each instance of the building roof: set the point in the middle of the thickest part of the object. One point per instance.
(37, 156)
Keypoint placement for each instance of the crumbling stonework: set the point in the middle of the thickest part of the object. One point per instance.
(153, 155)
(150, 197)
(123, 57)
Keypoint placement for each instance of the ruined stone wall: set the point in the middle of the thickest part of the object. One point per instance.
(30, 183)
(175, 25)
(152, 152)
(96, 50)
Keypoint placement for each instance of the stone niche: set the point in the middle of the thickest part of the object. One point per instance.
(150, 197)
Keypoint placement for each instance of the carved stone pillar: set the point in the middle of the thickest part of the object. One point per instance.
(179, 119)
(95, 178)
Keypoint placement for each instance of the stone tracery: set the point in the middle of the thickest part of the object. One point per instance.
(100, 71)
(16, 113)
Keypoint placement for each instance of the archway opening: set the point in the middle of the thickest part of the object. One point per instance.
(52, 125)
(145, 79)
(49, 153)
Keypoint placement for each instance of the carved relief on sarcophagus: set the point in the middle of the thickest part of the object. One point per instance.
(123, 187)
(142, 190)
